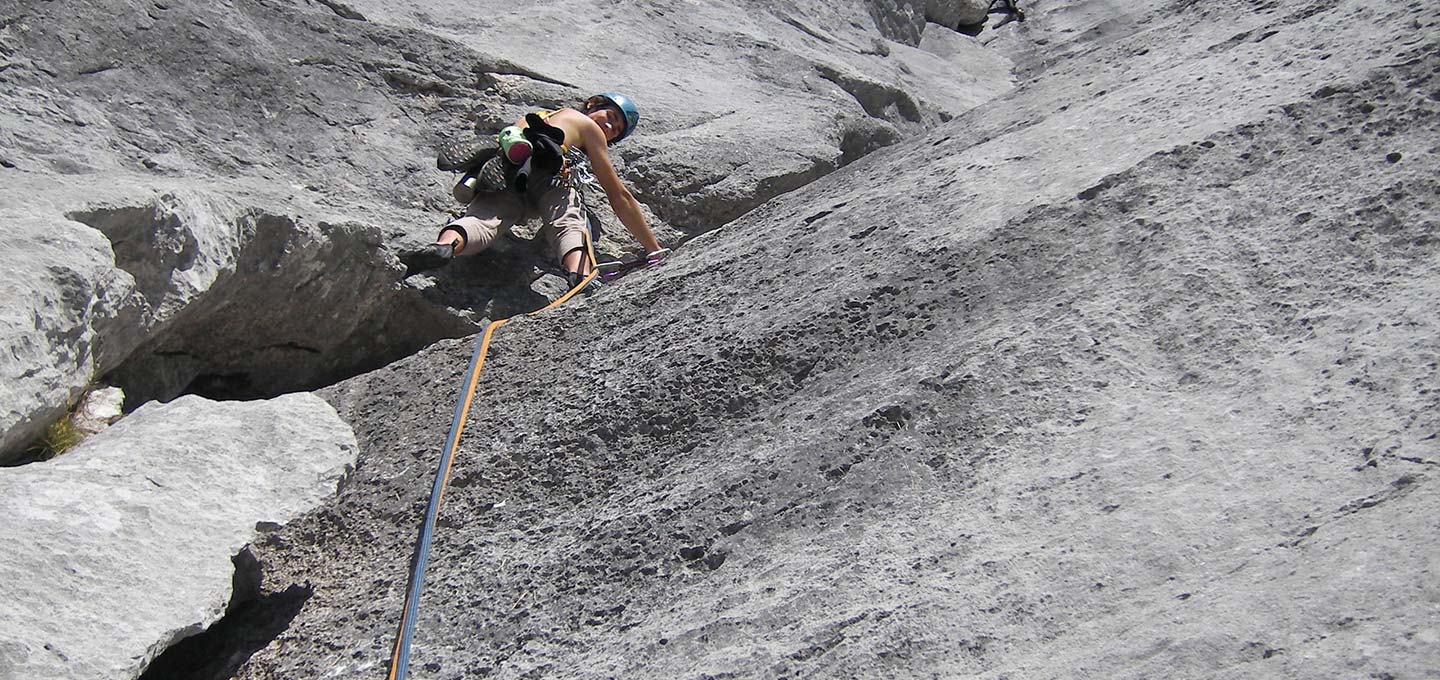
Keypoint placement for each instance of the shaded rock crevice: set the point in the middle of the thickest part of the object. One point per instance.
(252, 620)
(242, 303)
(150, 243)
(861, 137)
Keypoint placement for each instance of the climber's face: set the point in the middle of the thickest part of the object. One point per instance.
(610, 120)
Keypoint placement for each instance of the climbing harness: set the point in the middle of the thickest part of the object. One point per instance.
(400, 659)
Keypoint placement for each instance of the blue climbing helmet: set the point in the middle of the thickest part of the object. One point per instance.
(619, 101)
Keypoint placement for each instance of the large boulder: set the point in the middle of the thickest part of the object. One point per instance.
(248, 301)
(904, 21)
(124, 545)
(956, 13)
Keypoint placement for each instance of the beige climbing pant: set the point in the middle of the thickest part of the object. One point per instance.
(490, 214)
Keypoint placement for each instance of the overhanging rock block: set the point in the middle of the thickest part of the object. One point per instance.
(952, 13)
(148, 286)
(141, 522)
(57, 285)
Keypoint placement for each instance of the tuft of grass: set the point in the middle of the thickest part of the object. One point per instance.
(59, 437)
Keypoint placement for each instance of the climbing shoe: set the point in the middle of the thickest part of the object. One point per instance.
(491, 177)
(425, 258)
(463, 155)
(574, 279)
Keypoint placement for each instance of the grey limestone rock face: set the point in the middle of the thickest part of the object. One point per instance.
(124, 545)
(825, 85)
(252, 167)
(904, 21)
(167, 287)
(898, 20)
(57, 286)
(247, 301)
(1128, 374)
(1098, 346)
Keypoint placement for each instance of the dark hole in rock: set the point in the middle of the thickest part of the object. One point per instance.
(714, 560)
(222, 386)
(250, 623)
(692, 553)
(971, 30)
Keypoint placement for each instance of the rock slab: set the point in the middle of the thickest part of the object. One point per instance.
(124, 545)
(1128, 375)
(149, 237)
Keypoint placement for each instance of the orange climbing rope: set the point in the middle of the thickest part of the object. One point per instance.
(400, 659)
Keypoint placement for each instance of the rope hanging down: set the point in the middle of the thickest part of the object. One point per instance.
(400, 660)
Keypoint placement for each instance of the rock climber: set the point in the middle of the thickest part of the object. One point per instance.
(582, 137)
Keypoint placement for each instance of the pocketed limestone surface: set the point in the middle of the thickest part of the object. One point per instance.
(1129, 373)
